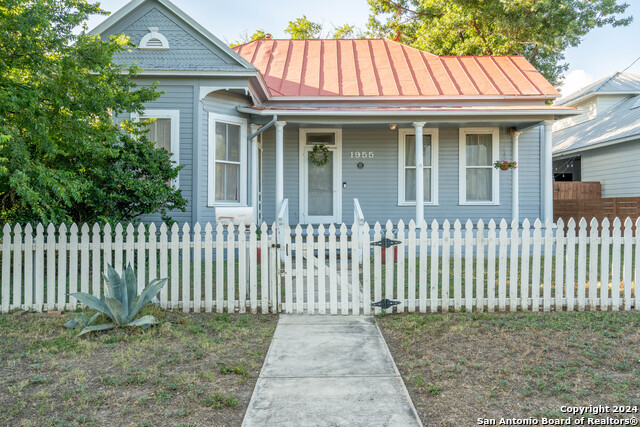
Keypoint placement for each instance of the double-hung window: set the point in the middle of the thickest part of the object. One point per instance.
(407, 166)
(164, 131)
(227, 160)
(478, 177)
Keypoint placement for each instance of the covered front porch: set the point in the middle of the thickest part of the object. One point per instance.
(399, 167)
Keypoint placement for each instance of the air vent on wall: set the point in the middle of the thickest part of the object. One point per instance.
(154, 41)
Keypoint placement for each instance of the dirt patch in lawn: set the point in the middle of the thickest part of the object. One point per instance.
(194, 369)
(462, 367)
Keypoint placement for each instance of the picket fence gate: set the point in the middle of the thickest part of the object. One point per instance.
(333, 270)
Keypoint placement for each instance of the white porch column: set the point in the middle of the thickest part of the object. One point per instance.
(279, 164)
(254, 172)
(515, 185)
(419, 173)
(548, 171)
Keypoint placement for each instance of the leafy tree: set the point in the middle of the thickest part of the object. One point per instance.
(302, 28)
(62, 156)
(258, 35)
(345, 31)
(540, 30)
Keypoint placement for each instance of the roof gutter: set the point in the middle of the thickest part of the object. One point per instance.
(264, 128)
(404, 113)
(357, 98)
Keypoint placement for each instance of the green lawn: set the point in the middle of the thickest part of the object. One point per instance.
(460, 367)
(196, 369)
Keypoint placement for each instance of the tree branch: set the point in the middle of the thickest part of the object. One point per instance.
(486, 43)
(398, 6)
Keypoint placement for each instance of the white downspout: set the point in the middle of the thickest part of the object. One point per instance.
(548, 171)
(254, 172)
(418, 126)
(515, 186)
(279, 164)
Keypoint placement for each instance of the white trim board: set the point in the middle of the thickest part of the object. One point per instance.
(211, 189)
(434, 133)
(462, 165)
(534, 115)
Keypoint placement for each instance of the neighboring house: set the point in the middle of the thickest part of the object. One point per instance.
(603, 143)
(244, 121)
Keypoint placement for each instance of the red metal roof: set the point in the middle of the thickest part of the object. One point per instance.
(381, 67)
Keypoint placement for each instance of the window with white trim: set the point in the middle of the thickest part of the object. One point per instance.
(478, 177)
(227, 160)
(407, 166)
(164, 131)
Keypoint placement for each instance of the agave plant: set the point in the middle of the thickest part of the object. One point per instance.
(81, 320)
(120, 304)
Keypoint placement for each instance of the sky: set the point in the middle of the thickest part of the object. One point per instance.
(602, 52)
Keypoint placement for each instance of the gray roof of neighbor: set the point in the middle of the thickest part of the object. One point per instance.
(613, 83)
(618, 124)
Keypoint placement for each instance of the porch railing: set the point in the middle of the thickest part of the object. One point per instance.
(283, 217)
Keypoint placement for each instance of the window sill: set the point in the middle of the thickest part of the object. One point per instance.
(403, 204)
(479, 204)
(225, 204)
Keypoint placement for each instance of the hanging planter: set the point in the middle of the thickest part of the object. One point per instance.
(505, 165)
(319, 155)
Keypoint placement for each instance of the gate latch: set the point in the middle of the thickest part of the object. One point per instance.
(385, 303)
(275, 245)
(386, 243)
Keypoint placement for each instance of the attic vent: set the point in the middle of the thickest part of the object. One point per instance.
(154, 41)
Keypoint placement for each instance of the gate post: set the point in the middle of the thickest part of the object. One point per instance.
(272, 259)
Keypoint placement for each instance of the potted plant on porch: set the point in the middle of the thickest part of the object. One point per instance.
(505, 165)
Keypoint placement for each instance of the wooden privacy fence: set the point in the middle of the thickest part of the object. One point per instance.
(584, 200)
(334, 270)
(609, 207)
(577, 190)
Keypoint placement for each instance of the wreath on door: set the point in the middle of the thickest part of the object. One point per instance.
(319, 155)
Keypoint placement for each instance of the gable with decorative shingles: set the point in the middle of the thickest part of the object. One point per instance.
(188, 50)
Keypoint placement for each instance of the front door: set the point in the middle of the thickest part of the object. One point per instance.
(320, 176)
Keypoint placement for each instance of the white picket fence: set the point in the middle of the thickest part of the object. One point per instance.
(333, 270)
(38, 272)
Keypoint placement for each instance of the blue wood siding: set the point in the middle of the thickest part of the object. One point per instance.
(616, 167)
(376, 185)
(179, 97)
(219, 102)
(189, 50)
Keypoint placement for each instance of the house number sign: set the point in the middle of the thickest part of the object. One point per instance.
(362, 154)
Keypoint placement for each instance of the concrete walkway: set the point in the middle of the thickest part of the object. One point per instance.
(329, 371)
